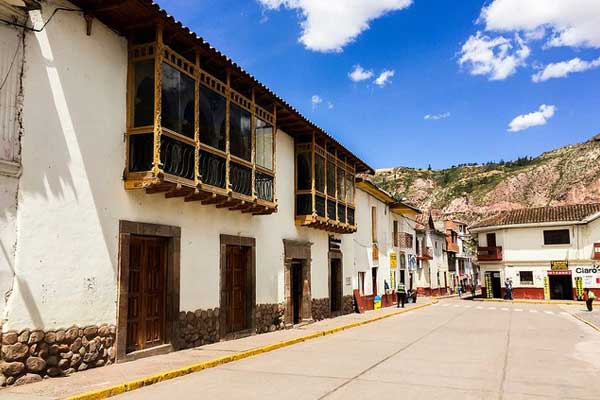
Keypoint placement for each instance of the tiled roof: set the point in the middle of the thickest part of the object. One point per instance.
(572, 213)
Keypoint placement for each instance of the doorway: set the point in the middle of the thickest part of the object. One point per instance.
(561, 287)
(491, 239)
(238, 285)
(374, 280)
(297, 287)
(148, 289)
(496, 284)
(336, 286)
(147, 292)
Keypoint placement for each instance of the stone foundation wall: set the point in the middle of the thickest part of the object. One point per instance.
(29, 356)
(320, 309)
(270, 317)
(348, 304)
(197, 328)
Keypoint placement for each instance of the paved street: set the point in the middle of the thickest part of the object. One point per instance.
(456, 349)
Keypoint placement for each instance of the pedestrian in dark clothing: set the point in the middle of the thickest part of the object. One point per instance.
(400, 294)
(590, 296)
(508, 287)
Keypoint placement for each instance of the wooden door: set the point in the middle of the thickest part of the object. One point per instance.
(147, 293)
(297, 286)
(236, 275)
(336, 286)
(491, 240)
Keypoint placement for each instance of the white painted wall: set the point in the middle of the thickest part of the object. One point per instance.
(363, 242)
(71, 195)
(526, 244)
(11, 68)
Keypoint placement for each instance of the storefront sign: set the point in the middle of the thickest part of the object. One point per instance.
(559, 272)
(546, 288)
(488, 286)
(559, 265)
(393, 260)
(590, 276)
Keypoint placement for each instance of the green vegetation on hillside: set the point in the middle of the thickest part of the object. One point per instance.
(526, 180)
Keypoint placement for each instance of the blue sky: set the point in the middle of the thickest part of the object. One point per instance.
(302, 49)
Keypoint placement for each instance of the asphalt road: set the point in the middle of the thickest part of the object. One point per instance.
(456, 349)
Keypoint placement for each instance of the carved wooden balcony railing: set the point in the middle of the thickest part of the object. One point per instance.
(489, 253)
(426, 254)
(405, 240)
(192, 135)
(324, 187)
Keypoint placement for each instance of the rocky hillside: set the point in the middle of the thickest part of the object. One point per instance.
(567, 175)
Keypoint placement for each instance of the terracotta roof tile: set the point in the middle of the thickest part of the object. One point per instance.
(572, 213)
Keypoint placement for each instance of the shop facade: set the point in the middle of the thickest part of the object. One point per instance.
(546, 253)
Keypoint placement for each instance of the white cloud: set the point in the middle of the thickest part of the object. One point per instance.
(384, 77)
(329, 25)
(564, 68)
(536, 118)
(330, 105)
(360, 74)
(574, 23)
(316, 100)
(436, 117)
(498, 57)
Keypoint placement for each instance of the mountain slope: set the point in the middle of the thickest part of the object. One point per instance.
(568, 175)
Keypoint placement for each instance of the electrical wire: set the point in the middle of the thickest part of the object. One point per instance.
(11, 65)
(29, 28)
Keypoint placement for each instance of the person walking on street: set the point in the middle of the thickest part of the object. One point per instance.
(508, 288)
(590, 296)
(400, 294)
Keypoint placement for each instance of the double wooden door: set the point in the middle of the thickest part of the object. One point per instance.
(235, 287)
(147, 292)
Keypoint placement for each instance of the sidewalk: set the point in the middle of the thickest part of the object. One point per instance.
(162, 367)
(580, 312)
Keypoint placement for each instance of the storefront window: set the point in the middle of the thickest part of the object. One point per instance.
(526, 277)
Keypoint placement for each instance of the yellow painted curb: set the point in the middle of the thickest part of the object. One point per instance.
(175, 373)
(594, 326)
(524, 301)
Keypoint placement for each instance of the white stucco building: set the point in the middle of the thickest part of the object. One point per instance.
(431, 275)
(461, 269)
(383, 243)
(155, 195)
(547, 253)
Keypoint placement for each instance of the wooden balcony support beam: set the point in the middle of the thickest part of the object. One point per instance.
(179, 191)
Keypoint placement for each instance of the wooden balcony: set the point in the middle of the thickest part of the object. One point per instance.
(489, 253)
(426, 254)
(452, 246)
(596, 255)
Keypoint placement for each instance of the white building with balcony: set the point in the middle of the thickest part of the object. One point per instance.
(384, 244)
(431, 276)
(547, 252)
